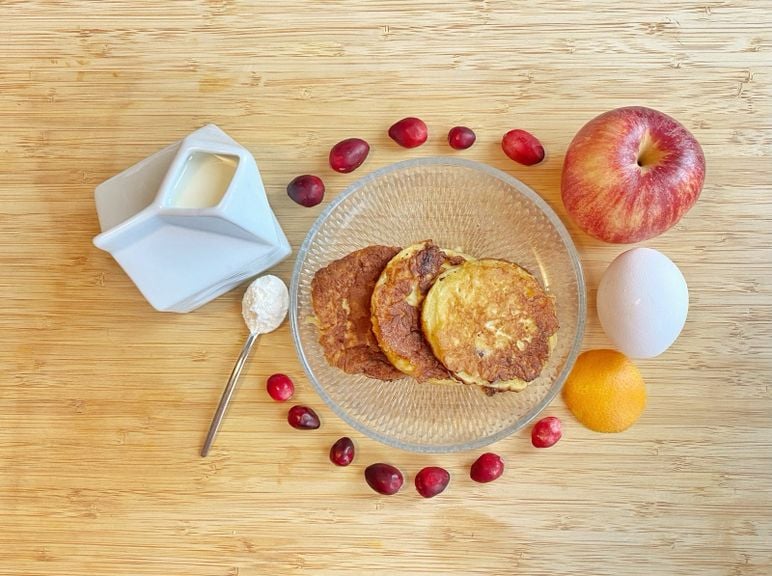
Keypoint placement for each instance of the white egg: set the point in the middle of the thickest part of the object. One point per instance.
(642, 302)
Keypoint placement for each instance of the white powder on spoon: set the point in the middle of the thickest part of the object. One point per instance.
(265, 304)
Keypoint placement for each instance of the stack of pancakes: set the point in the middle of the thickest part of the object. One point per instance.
(434, 314)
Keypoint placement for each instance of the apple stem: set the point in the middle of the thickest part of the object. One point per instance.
(649, 153)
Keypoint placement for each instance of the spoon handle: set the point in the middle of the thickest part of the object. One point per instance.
(227, 393)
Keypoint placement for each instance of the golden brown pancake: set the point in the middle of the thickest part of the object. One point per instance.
(491, 323)
(340, 295)
(396, 308)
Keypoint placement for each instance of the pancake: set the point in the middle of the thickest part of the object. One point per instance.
(396, 309)
(490, 323)
(340, 295)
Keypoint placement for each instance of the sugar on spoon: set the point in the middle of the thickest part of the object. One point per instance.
(264, 308)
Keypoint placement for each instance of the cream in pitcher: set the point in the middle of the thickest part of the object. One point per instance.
(203, 181)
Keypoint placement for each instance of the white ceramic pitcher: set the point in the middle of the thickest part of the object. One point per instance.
(190, 222)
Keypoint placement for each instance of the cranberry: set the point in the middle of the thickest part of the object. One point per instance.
(307, 190)
(280, 387)
(461, 137)
(303, 418)
(546, 432)
(348, 155)
(431, 480)
(487, 468)
(342, 452)
(409, 132)
(384, 478)
(522, 147)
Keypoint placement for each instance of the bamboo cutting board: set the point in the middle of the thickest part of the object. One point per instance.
(104, 402)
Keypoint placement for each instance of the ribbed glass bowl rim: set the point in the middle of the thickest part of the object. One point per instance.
(557, 385)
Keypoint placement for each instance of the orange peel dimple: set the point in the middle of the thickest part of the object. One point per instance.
(605, 391)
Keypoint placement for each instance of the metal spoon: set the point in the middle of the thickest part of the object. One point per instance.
(264, 308)
(225, 399)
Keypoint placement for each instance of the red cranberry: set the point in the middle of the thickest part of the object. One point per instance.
(461, 137)
(384, 478)
(409, 132)
(487, 468)
(303, 418)
(307, 190)
(348, 155)
(342, 452)
(280, 387)
(522, 147)
(431, 480)
(546, 432)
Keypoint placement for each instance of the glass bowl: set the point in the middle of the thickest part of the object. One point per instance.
(459, 204)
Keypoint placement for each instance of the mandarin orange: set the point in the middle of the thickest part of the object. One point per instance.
(605, 391)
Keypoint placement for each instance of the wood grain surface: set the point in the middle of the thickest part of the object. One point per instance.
(104, 402)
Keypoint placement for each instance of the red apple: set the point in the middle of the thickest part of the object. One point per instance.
(630, 174)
